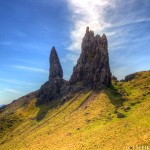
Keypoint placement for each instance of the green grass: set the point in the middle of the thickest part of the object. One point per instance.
(87, 121)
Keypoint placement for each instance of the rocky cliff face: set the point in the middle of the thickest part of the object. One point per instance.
(92, 68)
(91, 72)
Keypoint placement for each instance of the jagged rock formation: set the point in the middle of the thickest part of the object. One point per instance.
(92, 69)
(91, 72)
(51, 89)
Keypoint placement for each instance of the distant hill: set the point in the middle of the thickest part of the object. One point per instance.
(111, 119)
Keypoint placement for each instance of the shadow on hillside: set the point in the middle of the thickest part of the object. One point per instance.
(115, 97)
(44, 109)
(54, 105)
(42, 113)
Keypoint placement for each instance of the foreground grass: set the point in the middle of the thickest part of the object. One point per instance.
(87, 121)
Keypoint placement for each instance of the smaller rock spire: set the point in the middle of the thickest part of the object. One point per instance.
(55, 66)
(87, 29)
(104, 41)
(53, 88)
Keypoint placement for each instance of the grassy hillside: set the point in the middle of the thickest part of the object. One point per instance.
(113, 119)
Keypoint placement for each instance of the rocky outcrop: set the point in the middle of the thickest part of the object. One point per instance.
(91, 72)
(130, 77)
(52, 89)
(92, 69)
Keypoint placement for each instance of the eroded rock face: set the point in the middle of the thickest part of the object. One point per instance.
(51, 89)
(92, 68)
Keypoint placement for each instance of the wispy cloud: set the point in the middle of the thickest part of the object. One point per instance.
(27, 61)
(12, 91)
(10, 81)
(96, 14)
(127, 22)
(17, 82)
(70, 57)
(30, 68)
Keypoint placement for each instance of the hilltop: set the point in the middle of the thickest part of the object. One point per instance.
(90, 111)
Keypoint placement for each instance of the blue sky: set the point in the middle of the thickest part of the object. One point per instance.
(29, 28)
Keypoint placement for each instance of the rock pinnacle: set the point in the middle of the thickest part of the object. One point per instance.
(55, 66)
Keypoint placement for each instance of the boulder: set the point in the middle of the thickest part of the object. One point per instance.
(120, 115)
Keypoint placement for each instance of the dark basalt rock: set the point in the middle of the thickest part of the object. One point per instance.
(120, 115)
(130, 77)
(92, 68)
(53, 88)
(55, 66)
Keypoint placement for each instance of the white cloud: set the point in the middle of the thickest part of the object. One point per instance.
(71, 57)
(30, 68)
(87, 13)
(101, 15)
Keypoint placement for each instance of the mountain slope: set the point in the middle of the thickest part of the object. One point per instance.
(90, 120)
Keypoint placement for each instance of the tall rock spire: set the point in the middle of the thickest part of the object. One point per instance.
(92, 68)
(55, 66)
